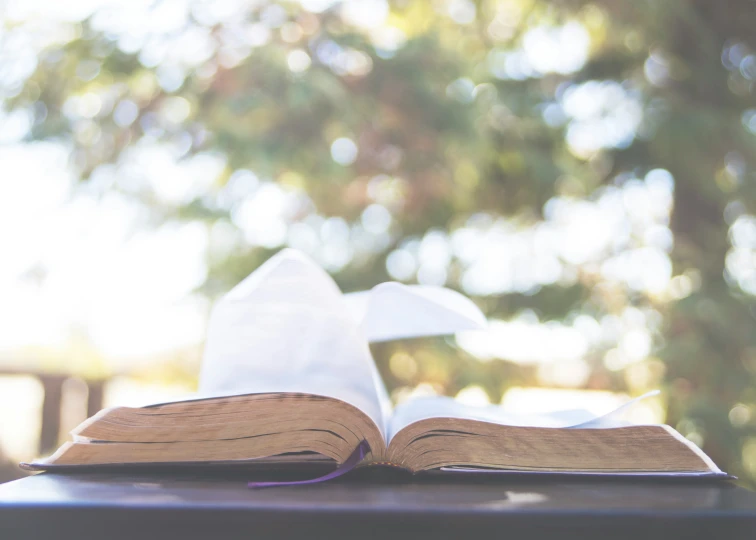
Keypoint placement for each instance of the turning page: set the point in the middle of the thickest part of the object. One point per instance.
(288, 328)
(285, 328)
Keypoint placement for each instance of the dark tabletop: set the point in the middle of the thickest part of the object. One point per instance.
(147, 504)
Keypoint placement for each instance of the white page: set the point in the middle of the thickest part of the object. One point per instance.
(393, 311)
(286, 328)
(423, 408)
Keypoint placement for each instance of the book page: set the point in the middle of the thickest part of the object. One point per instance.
(641, 474)
(286, 328)
(396, 311)
(423, 408)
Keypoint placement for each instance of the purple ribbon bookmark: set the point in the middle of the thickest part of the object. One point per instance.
(350, 463)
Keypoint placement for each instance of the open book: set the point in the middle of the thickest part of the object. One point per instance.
(287, 377)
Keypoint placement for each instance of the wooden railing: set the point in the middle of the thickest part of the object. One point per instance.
(52, 385)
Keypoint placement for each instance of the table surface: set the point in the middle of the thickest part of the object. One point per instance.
(203, 505)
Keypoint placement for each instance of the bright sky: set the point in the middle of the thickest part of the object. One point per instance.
(125, 286)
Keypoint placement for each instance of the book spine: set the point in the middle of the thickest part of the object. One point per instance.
(386, 464)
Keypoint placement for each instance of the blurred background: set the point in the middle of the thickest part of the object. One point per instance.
(583, 170)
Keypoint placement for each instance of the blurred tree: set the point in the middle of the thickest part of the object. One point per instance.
(579, 168)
